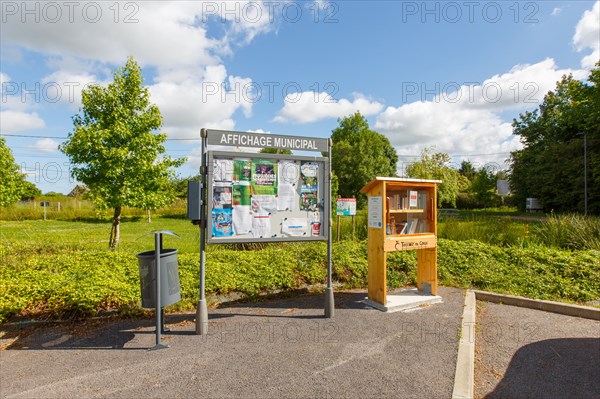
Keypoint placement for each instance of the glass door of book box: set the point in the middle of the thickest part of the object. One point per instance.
(409, 211)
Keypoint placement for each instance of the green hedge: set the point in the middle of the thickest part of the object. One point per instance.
(67, 282)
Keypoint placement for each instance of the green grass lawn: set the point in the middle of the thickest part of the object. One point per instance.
(78, 235)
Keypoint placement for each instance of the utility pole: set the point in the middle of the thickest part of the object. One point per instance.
(585, 199)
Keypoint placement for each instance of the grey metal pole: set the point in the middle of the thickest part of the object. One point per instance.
(201, 309)
(329, 301)
(157, 245)
(585, 198)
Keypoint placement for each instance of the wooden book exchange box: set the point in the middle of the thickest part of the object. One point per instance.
(402, 217)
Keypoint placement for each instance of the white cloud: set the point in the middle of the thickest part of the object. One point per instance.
(201, 101)
(556, 11)
(4, 78)
(66, 84)
(46, 145)
(190, 83)
(108, 32)
(467, 120)
(17, 121)
(311, 106)
(587, 36)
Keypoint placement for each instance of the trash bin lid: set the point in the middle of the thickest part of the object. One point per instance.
(151, 254)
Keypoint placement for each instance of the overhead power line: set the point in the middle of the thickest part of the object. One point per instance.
(198, 139)
(65, 138)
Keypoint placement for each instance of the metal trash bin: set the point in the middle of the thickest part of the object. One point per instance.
(169, 278)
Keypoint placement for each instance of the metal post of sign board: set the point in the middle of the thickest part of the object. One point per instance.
(329, 301)
(338, 223)
(202, 309)
(353, 225)
(44, 205)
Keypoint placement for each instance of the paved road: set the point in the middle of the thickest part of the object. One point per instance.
(277, 348)
(525, 353)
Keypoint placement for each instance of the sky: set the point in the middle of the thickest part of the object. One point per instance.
(450, 75)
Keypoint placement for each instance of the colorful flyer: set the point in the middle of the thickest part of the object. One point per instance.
(264, 177)
(242, 170)
(241, 193)
(222, 195)
(309, 186)
(221, 222)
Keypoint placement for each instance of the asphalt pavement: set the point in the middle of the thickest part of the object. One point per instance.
(526, 353)
(276, 348)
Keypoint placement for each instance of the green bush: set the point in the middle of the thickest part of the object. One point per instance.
(67, 282)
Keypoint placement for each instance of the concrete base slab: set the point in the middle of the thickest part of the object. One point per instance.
(405, 300)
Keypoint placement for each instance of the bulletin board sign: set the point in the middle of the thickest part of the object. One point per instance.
(346, 207)
(246, 197)
(266, 197)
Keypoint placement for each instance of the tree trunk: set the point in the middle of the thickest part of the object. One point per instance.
(115, 233)
(149, 217)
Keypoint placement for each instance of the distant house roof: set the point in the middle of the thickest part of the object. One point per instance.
(503, 187)
(79, 189)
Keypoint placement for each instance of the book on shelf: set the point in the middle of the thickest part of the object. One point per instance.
(413, 226)
(400, 228)
(413, 197)
(422, 201)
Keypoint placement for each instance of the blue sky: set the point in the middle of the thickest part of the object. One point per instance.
(445, 74)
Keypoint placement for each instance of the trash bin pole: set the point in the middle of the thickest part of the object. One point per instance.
(157, 239)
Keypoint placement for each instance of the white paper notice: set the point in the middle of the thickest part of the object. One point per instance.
(375, 209)
(261, 225)
(264, 202)
(294, 227)
(287, 198)
(223, 169)
(287, 193)
(242, 220)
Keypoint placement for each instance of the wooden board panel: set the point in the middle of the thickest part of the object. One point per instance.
(427, 269)
(376, 254)
(409, 242)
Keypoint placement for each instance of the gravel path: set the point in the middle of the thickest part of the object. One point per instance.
(525, 353)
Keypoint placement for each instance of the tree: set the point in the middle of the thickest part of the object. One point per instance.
(29, 190)
(275, 151)
(484, 188)
(12, 179)
(434, 166)
(359, 154)
(467, 169)
(114, 150)
(550, 166)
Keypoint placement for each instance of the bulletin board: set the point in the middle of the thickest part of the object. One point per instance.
(255, 197)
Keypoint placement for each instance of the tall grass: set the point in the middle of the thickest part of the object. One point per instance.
(502, 231)
(570, 231)
(75, 209)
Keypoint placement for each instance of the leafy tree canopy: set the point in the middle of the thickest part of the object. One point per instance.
(550, 167)
(114, 150)
(359, 154)
(29, 190)
(275, 151)
(12, 179)
(435, 166)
